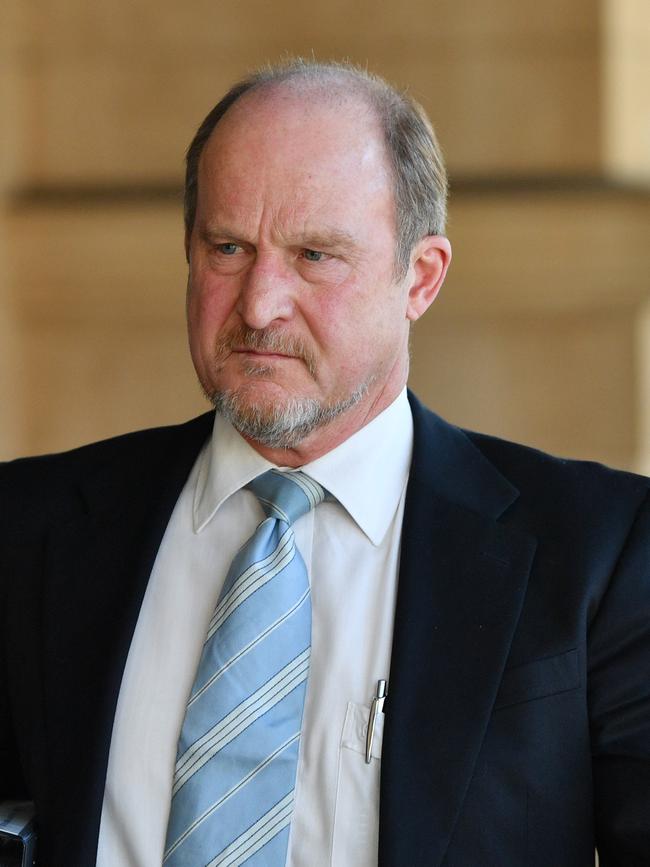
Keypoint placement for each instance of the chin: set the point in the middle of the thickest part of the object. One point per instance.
(262, 391)
(275, 423)
(274, 418)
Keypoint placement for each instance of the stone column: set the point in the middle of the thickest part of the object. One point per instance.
(10, 350)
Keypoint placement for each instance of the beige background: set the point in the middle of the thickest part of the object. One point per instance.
(542, 333)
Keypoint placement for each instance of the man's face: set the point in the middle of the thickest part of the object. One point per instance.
(292, 300)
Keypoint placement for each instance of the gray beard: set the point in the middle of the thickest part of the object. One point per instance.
(281, 426)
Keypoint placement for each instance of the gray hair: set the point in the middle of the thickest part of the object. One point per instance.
(411, 144)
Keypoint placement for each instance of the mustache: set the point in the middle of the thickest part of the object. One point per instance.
(265, 340)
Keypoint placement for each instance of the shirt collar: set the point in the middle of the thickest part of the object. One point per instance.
(366, 474)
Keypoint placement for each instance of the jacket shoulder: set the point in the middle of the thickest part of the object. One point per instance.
(525, 465)
(550, 496)
(561, 498)
(35, 483)
(107, 449)
(536, 476)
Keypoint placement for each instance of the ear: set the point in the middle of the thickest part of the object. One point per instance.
(188, 236)
(430, 259)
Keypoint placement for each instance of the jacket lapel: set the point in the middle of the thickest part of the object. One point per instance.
(99, 562)
(461, 587)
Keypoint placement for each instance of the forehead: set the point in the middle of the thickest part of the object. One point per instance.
(296, 151)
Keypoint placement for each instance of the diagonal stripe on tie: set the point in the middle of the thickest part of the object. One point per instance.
(252, 579)
(244, 715)
(278, 817)
(248, 647)
(232, 791)
(309, 487)
(233, 788)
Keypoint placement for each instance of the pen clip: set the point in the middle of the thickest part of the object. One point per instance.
(376, 707)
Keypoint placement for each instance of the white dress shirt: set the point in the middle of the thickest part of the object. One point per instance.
(351, 549)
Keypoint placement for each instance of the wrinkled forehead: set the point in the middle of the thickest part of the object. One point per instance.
(287, 129)
(291, 162)
(304, 101)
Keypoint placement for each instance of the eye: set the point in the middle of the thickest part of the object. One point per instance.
(313, 255)
(227, 249)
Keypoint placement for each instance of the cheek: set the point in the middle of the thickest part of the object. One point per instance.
(354, 317)
(331, 326)
(343, 341)
(208, 307)
(339, 308)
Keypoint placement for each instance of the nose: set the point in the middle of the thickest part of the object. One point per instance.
(266, 293)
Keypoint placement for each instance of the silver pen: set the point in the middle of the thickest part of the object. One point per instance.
(376, 707)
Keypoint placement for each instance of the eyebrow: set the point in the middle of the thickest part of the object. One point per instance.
(328, 238)
(212, 233)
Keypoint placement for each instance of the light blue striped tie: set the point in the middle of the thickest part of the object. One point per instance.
(233, 790)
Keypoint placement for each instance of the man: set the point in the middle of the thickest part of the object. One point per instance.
(503, 595)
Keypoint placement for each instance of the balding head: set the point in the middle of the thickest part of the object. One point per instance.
(412, 151)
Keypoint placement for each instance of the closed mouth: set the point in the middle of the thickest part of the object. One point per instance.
(261, 353)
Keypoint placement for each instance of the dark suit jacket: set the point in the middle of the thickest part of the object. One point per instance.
(518, 719)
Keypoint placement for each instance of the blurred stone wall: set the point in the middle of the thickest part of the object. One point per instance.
(541, 333)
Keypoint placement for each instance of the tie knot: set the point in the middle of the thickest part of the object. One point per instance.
(286, 495)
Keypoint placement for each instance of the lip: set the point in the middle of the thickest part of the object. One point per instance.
(261, 354)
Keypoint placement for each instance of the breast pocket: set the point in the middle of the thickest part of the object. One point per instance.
(356, 818)
(539, 678)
